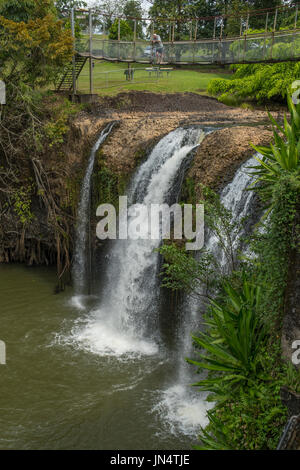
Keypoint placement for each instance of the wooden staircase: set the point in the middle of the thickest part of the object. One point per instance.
(65, 83)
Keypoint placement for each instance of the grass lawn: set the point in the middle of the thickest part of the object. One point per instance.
(109, 79)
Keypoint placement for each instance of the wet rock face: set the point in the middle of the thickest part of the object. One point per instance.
(291, 400)
(223, 151)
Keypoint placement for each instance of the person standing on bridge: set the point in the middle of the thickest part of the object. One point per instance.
(159, 48)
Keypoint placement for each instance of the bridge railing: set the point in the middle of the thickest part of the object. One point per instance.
(271, 46)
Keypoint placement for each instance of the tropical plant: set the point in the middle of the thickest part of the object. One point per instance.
(280, 157)
(233, 341)
(216, 440)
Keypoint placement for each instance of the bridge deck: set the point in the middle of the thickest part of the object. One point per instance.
(269, 48)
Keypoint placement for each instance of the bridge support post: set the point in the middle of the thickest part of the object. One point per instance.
(221, 44)
(295, 27)
(134, 40)
(267, 21)
(91, 51)
(275, 20)
(214, 38)
(73, 58)
(119, 36)
(245, 46)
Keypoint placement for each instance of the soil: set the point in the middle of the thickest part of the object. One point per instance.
(145, 117)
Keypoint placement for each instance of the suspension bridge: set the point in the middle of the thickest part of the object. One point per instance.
(277, 41)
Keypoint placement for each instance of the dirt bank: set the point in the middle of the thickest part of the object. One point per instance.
(145, 117)
(223, 151)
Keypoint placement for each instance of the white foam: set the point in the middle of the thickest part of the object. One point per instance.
(78, 301)
(183, 410)
(100, 336)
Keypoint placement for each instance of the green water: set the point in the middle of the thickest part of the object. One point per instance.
(55, 395)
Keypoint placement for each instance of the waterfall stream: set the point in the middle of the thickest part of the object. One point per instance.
(184, 408)
(81, 257)
(125, 322)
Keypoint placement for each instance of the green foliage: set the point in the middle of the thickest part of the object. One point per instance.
(219, 221)
(246, 373)
(241, 348)
(107, 186)
(22, 203)
(33, 52)
(133, 9)
(181, 271)
(260, 82)
(64, 6)
(56, 129)
(126, 32)
(188, 191)
(272, 247)
(25, 10)
(280, 158)
(253, 420)
(217, 436)
(234, 340)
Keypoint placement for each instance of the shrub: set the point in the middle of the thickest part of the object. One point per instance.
(260, 82)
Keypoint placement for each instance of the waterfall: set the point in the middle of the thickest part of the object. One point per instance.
(184, 408)
(81, 255)
(126, 321)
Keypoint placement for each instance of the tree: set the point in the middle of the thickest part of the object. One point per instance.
(126, 32)
(133, 9)
(24, 10)
(111, 9)
(64, 6)
(33, 52)
(170, 9)
(231, 9)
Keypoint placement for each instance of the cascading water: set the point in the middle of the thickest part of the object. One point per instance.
(126, 320)
(183, 408)
(81, 258)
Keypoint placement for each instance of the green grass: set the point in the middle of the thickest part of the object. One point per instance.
(179, 80)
